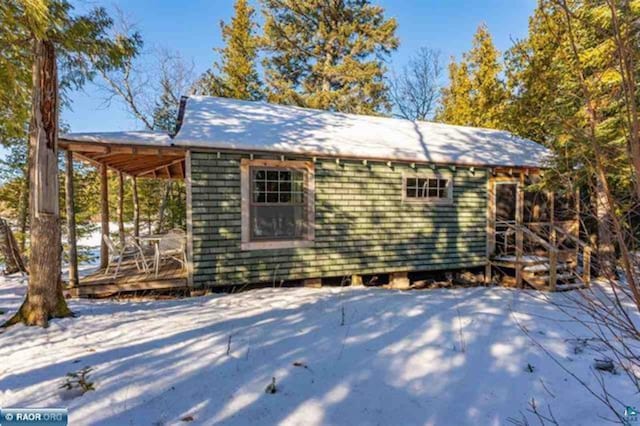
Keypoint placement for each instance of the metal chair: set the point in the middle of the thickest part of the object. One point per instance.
(172, 246)
(117, 254)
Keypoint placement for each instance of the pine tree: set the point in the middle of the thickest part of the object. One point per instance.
(53, 33)
(328, 54)
(456, 107)
(476, 96)
(488, 92)
(236, 75)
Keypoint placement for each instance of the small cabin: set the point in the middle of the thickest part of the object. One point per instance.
(280, 193)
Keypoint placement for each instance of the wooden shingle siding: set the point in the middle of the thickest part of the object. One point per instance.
(362, 225)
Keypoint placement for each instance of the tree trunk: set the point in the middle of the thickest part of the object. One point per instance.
(23, 210)
(71, 222)
(121, 233)
(136, 208)
(44, 295)
(9, 250)
(163, 206)
(104, 215)
(605, 248)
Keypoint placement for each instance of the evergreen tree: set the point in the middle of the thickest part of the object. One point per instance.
(52, 32)
(328, 54)
(236, 75)
(476, 95)
(456, 107)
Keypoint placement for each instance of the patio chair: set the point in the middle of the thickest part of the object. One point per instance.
(117, 254)
(172, 246)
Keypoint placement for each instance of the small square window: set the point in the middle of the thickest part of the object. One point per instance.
(427, 189)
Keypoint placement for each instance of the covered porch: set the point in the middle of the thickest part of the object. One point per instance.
(132, 156)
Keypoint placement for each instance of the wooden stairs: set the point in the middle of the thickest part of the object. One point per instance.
(560, 263)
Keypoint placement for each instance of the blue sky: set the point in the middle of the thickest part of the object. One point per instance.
(192, 28)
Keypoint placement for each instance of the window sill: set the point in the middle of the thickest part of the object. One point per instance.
(275, 245)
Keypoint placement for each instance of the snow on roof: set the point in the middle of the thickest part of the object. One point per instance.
(234, 124)
(124, 138)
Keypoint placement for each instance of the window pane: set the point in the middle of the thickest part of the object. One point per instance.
(433, 192)
(277, 222)
(411, 182)
(285, 197)
(297, 197)
(260, 175)
(272, 175)
(285, 175)
(272, 186)
(272, 197)
(411, 191)
(442, 192)
(285, 186)
(433, 183)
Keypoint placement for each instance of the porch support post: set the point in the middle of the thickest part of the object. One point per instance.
(104, 214)
(519, 231)
(71, 222)
(121, 234)
(188, 186)
(136, 207)
(552, 218)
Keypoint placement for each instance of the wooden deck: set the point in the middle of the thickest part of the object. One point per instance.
(171, 276)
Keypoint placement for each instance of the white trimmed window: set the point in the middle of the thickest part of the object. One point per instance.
(432, 188)
(277, 204)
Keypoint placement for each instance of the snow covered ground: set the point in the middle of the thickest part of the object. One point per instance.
(431, 357)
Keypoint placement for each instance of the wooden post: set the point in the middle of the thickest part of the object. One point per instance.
(356, 281)
(519, 231)
(553, 237)
(399, 280)
(71, 222)
(136, 208)
(586, 266)
(553, 269)
(104, 213)
(189, 189)
(121, 234)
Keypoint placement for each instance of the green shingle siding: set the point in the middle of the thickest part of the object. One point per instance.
(362, 225)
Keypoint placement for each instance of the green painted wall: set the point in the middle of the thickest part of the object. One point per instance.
(362, 226)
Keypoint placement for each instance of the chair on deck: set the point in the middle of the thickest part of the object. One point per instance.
(172, 246)
(117, 254)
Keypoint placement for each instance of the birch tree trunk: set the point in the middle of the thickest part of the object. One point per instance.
(163, 206)
(44, 299)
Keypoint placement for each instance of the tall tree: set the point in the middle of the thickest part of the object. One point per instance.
(328, 54)
(416, 89)
(476, 85)
(236, 75)
(456, 103)
(51, 28)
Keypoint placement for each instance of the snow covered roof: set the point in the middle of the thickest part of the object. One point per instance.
(231, 124)
(234, 124)
(125, 138)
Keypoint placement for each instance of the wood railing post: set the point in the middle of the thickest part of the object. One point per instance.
(586, 266)
(519, 254)
(553, 269)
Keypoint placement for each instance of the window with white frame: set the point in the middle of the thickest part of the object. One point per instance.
(277, 204)
(428, 188)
